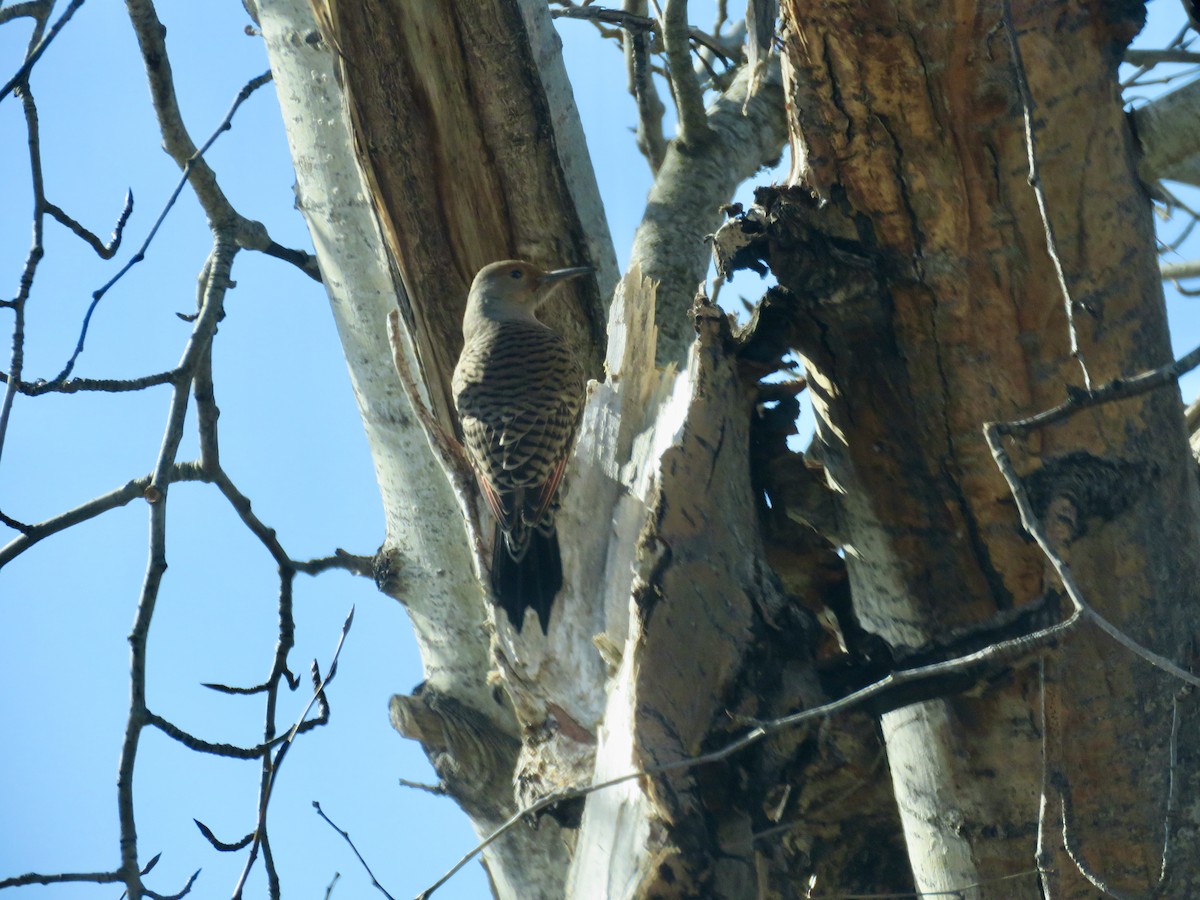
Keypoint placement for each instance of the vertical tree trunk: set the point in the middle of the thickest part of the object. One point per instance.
(933, 306)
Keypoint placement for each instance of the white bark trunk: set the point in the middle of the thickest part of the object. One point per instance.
(1168, 129)
(576, 692)
(423, 524)
(434, 567)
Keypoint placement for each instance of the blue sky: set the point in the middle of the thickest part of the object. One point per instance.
(290, 438)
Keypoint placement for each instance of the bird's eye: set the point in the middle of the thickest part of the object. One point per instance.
(516, 273)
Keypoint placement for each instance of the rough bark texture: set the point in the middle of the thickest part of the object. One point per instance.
(746, 130)
(925, 304)
(462, 174)
(933, 307)
(713, 640)
(466, 725)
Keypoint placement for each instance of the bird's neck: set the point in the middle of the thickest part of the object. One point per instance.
(485, 312)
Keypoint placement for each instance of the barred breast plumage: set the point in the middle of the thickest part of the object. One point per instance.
(519, 392)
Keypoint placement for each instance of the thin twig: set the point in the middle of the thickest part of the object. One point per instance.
(438, 790)
(232, 751)
(346, 838)
(60, 878)
(271, 766)
(220, 845)
(38, 10)
(34, 257)
(1163, 79)
(178, 895)
(992, 432)
(1177, 271)
(1074, 853)
(99, 385)
(1169, 813)
(103, 250)
(192, 163)
(1142, 69)
(1006, 651)
(156, 493)
(121, 496)
(1117, 389)
(363, 566)
(34, 55)
(305, 262)
(636, 23)
(1029, 108)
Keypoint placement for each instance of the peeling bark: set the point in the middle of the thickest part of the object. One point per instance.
(746, 131)
(705, 588)
(463, 174)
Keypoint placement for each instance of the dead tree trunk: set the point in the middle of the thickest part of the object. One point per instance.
(919, 288)
(932, 305)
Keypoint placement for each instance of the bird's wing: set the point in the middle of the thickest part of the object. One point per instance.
(519, 430)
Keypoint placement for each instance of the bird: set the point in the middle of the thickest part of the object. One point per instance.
(519, 392)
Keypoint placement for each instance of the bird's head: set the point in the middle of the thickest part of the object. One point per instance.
(513, 288)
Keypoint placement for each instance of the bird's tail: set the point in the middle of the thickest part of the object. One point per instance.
(529, 579)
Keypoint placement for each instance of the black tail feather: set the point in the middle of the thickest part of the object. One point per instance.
(530, 582)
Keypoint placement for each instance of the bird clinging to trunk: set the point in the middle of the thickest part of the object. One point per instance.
(519, 393)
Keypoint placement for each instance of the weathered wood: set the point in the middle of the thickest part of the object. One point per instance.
(461, 173)
(907, 120)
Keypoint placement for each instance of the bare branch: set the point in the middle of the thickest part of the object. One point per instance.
(346, 838)
(101, 385)
(271, 766)
(650, 140)
(187, 889)
(1175, 44)
(103, 250)
(1115, 390)
(131, 490)
(223, 846)
(637, 22)
(210, 196)
(349, 562)
(28, 272)
(438, 790)
(242, 506)
(34, 55)
(156, 493)
(1155, 57)
(689, 98)
(207, 413)
(1179, 271)
(60, 878)
(232, 751)
(305, 262)
(31, 9)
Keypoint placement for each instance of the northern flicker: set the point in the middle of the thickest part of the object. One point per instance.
(519, 393)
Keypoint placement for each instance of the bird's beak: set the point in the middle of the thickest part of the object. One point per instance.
(564, 274)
